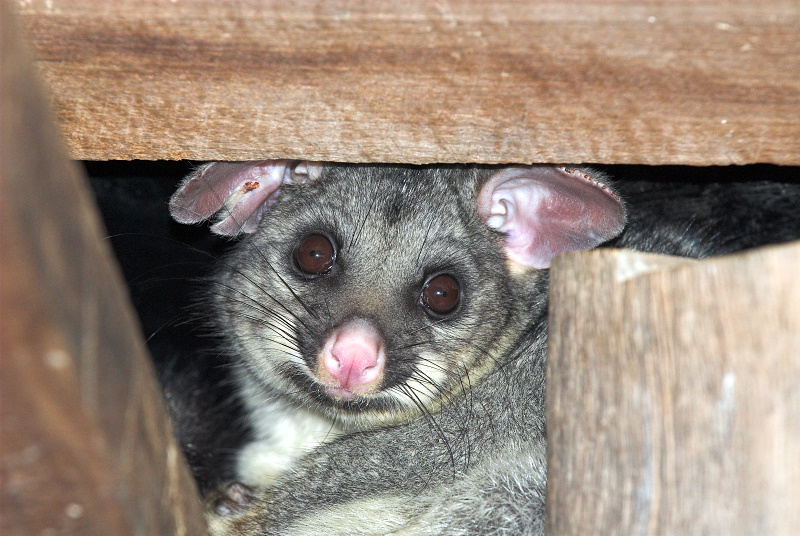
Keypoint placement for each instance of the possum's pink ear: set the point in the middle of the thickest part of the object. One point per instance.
(546, 210)
(236, 193)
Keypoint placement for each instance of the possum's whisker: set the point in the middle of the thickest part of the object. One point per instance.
(435, 425)
(253, 304)
(266, 293)
(287, 335)
(358, 234)
(275, 341)
(424, 241)
(434, 390)
(432, 363)
(433, 323)
(484, 352)
(174, 321)
(175, 241)
(147, 275)
(448, 372)
(285, 284)
(456, 377)
(270, 296)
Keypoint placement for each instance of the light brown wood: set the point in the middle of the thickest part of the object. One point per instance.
(695, 82)
(86, 445)
(673, 394)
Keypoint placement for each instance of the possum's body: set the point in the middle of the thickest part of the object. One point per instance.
(440, 428)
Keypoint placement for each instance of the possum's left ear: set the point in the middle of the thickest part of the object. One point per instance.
(546, 210)
(236, 194)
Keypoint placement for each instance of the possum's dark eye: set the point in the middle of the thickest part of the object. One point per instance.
(441, 294)
(315, 255)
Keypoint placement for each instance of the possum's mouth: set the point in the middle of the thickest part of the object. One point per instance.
(338, 398)
(340, 393)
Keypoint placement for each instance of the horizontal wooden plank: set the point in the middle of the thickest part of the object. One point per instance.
(86, 442)
(673, 394)
(694, 82)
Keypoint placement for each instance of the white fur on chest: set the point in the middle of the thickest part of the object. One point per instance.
(283, 432)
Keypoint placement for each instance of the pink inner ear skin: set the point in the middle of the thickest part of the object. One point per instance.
(236, 190)
(545, 211)
(250, 198)
(210, 188)
(238, 193)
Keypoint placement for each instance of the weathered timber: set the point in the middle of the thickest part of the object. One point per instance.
(86, 444)
(673, 394)
(695, 82)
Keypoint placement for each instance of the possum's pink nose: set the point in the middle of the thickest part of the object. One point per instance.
(352, 359)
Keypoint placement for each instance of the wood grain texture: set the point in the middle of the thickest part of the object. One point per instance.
(86, 443)
(673, 395)
(694, 82)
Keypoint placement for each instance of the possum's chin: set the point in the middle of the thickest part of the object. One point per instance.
(343, 400)
(361, 411)
(338, 393)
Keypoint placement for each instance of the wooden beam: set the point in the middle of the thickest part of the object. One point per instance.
(694, 82)
(673, 394)
(86, 443)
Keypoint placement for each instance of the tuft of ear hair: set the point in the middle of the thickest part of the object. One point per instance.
(546, 210)
(236, 194)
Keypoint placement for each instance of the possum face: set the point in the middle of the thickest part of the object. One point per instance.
(376, 293)
(371, 293)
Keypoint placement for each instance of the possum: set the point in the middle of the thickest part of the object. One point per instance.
(387, 326)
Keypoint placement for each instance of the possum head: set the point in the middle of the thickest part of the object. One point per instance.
(374, 293)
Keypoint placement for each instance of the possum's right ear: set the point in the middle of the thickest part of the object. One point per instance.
(236, 193)
(547, 210)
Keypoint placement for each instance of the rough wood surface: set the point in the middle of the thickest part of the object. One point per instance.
(86, 445)
(694, 82)
(673, 394)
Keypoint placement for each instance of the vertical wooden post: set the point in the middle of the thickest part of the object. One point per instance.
(86, 444)
(673, 395)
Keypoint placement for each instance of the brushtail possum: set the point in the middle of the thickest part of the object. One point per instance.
(387, 329)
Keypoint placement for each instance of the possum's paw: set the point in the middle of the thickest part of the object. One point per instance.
(226, 504)
(229, 500)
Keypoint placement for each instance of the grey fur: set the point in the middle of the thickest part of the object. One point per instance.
(470, 459)
(436, 465)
